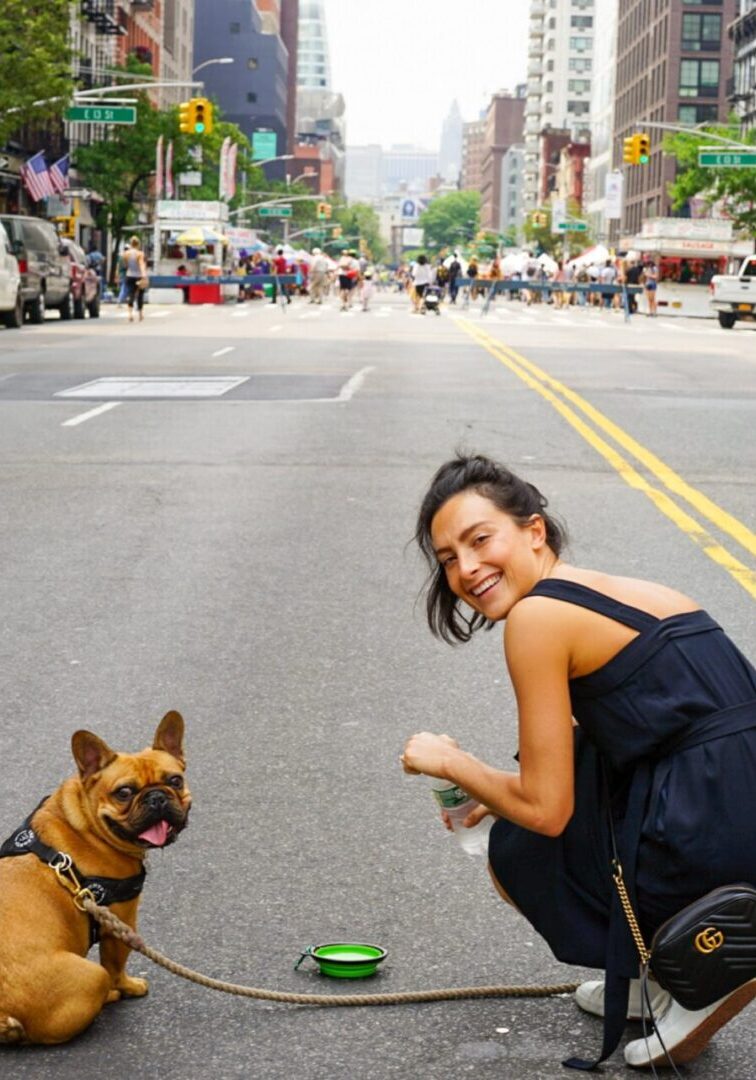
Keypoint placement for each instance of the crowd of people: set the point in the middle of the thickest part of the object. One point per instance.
(538, 279)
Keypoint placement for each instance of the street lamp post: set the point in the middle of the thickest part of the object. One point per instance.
(214, 60)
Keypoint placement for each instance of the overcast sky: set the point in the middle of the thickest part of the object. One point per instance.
(400, 63)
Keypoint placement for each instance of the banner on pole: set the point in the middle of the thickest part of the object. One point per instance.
(159, 168)
(223, 167)
(169, 192)
(613, 190)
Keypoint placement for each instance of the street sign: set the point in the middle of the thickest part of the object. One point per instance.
(264, 145)
(572, 226)
(274, 211)
(102, 114)
(734, 159)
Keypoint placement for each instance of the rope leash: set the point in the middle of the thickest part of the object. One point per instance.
(111, 924)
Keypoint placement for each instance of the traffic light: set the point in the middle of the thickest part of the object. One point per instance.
(201, 116)
(644, 149)
(324, 211)
(539, 219)
(66, 227)
(630, 154)
(185, 117)
(336, 232)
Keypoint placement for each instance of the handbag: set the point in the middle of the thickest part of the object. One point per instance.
(143, 282)
(703, 952)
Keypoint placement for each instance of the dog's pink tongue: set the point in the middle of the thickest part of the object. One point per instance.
(156, 834)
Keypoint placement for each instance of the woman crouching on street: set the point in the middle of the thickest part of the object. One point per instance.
(661, 752)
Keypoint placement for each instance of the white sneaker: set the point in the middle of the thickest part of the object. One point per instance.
(686, 1033)
(589, 996)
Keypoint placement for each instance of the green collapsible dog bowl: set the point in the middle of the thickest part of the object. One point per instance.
(346, 960)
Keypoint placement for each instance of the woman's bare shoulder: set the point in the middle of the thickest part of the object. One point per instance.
(658, 600)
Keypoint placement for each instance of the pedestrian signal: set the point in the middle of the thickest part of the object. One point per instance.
(185, 117)
(201, 116)
(644, 149)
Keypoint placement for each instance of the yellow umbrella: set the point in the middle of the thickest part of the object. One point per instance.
(196, 236)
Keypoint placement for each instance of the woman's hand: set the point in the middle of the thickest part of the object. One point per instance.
(426, 753)
(475, 816)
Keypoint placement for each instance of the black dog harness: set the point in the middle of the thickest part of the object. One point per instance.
(104, 890)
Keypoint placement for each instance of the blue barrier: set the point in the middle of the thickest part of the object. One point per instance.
(176, 281)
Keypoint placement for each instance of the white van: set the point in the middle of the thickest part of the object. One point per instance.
(11, 301)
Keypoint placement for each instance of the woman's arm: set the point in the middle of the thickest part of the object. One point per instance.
(541, 796)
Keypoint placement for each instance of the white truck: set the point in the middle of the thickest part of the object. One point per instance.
(733, 297)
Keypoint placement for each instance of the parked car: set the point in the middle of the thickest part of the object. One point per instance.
(733, 296)
(45, 273)
(11, 301)
(85, 284)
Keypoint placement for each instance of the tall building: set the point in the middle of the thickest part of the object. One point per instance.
(450, 153)
(600, 163)
(560, 67)
(252, 90)
(320, 110)
(407, 168)
(289, 29)
(503, 128)
(673, 64)
(473, 143)
(363, 178)
(742, 91)
(511, 188)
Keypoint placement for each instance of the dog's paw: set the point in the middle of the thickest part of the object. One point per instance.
(11, 1031)
(130, 987)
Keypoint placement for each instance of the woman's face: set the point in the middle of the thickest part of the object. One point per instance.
(490, 561)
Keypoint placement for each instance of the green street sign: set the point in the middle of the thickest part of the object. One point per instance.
(264, 145)
(572, 226)
(274, 211)
(734, 159)
(102, 114)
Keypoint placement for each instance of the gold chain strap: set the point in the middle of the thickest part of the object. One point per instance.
(627, 907)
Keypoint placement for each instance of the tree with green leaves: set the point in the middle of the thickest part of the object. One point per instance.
(734, 189)
(360, 220)
(539, 238)
(451, 220)
(35, 62)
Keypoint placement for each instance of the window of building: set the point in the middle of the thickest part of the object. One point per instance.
(251, 96)
(234, 28)
(701, 33)
(699, 78)
(580, 43)
(579, 63)
(698, 3)
(579, 86)
(578, 108)
(252, 63)
(581, 22)
(697, 114)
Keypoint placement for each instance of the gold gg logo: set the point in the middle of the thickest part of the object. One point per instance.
(709, 940)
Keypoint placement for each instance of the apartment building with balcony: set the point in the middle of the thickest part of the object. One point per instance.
(674, 60)
(560, 70)
(601, 162)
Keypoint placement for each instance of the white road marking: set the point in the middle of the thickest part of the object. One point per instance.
(89, 414)
(275, 329)
(222, 352)
(352, 386)
(158, 314)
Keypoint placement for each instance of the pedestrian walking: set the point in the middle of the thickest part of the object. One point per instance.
(348, 275)
(280, 267)
(318, 276)
(650, 278)
(633, 277)
(454, 270)
(661, 752)
(607, 276)
(422, 276)
(136, 277)
(366, 286)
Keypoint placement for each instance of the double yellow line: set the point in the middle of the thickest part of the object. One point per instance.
(562, 399)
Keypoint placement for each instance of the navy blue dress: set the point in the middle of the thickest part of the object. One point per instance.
(673, 718)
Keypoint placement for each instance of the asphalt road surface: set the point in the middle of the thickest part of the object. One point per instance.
(245, 558)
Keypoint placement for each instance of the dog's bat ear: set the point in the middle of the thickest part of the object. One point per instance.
(170, 735)
(90, 753)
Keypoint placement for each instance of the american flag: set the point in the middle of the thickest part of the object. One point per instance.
(59, 175)
(36, 178)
